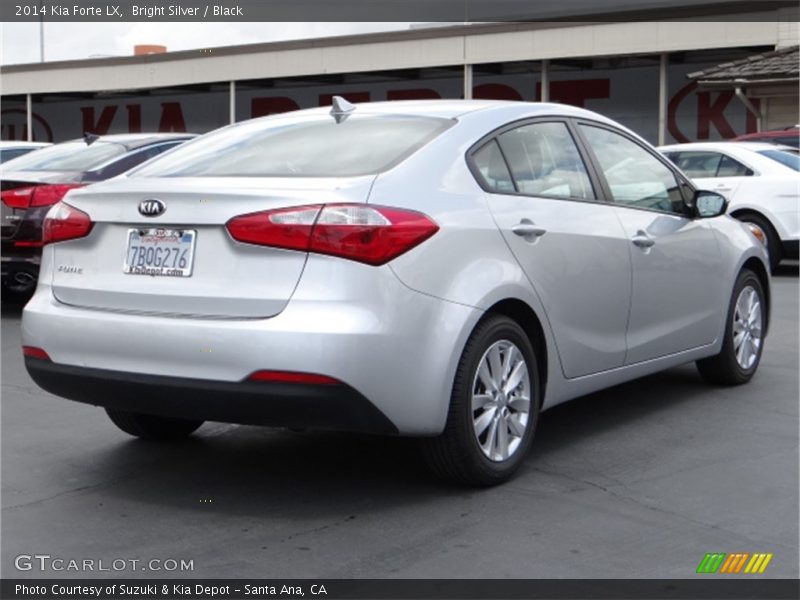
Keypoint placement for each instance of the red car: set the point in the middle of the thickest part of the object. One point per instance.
(788, 137)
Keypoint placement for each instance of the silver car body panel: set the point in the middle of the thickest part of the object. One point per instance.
(395, 333)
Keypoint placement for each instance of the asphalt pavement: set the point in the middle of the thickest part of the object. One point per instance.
(638, 481)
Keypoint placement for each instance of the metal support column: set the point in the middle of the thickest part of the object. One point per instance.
(29, 116)
(467, 82)
(545, 95)
(232, 102)
(663, 93)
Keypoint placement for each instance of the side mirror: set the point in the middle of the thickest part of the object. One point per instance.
(709, 204)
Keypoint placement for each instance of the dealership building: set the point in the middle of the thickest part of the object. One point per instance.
(654, 74)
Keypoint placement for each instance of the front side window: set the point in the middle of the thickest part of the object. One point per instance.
(635, 177)
(545, 161)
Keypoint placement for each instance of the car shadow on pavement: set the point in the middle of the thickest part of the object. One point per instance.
(252, 470)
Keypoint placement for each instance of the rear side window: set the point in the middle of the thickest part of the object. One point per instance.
(545, 161)
(492, 167)
(731, 168)
(359, 145)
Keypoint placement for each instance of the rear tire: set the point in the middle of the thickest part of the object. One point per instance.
(494, 407)
(152, 427)
(774, 247)
(744, 335)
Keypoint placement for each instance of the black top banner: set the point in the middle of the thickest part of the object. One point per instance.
(457, 11)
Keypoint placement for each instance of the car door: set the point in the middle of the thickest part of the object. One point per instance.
(570, 245)
(677, 271)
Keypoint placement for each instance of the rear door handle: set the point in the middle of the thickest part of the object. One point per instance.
(642, 240)
(527, 228)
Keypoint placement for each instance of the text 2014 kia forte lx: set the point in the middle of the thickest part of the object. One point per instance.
(435, 269)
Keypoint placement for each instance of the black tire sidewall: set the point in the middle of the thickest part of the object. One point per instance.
(493, 330)
(746, 278)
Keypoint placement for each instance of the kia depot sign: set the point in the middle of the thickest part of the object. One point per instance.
(628, 95)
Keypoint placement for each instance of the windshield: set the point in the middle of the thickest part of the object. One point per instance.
(69, 156)
(300, 148)
(787, 158)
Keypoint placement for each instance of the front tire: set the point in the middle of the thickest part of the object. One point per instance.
(152, 427)
(744, 335)
(494, 407)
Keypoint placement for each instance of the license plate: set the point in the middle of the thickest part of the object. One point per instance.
(160, 252)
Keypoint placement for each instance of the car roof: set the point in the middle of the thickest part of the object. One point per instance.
(789, 131)
(734, 146)
(20, 144)
(450, 109)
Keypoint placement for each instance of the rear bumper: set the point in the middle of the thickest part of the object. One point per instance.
(356, 324)
(336, 407)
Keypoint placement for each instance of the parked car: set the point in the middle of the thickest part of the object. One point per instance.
(440, 269)
(14, 149)
(31, 184)
(761, 182)
(785, 137)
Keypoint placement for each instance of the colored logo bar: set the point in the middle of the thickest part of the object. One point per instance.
(735, 563)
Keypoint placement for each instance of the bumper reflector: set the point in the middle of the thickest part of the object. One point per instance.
(293, 377)
(34, 352)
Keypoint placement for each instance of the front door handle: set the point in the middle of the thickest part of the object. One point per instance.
(642, 240)
(527, 228)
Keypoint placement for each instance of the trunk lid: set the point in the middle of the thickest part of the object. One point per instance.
(228, 279)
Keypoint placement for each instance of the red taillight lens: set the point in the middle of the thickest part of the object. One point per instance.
(47, 195)
(34, 352)
(293, 377)
(64, 222)
(369, 234)
(17, 198)
(40, 195)
(288, 228)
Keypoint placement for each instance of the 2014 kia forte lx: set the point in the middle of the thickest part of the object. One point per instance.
(441, 269)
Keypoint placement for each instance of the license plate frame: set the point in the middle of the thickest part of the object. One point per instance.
(159, 252)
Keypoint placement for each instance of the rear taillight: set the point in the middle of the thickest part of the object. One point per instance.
(40, 195)
(47, 195)
(370, 234)
(17, 198)
(64, 222)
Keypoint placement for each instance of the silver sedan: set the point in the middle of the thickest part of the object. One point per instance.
(439, 269)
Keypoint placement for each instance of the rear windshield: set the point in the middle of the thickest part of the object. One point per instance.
(69, 156)
(300, 148)
(786, 157)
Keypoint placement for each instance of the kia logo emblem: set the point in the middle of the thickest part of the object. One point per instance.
(152, 207)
